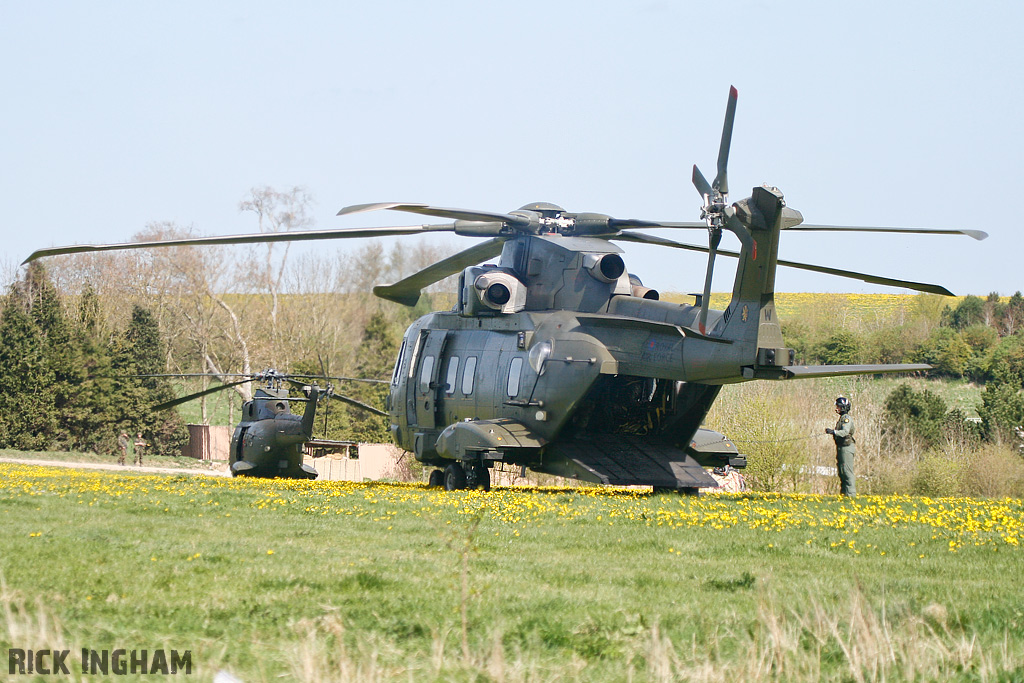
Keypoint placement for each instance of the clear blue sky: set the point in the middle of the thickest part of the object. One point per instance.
(116, 114)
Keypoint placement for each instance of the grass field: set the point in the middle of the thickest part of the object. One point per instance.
(274, 580)
(176, 462)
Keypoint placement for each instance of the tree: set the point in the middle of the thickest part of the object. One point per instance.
(1012, 314)
(276, 212)
(946, 352)
(60, 354)
(842, 348)
(92, 411)
(917, 414)
(29, 421)
(374, 360)
(1005, 362)
(1001, 410)
(141, 352)
(969, 311)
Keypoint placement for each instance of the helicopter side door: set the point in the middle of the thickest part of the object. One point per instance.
(424, 387)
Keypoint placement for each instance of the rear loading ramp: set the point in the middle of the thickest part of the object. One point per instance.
(623, 460)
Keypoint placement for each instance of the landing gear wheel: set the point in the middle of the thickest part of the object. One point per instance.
(483, 477)
(436, 479)
(454, 477)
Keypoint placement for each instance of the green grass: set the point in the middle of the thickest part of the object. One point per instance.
(341, 581)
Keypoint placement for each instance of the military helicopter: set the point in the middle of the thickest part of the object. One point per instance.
(270, 440)
(557, 359)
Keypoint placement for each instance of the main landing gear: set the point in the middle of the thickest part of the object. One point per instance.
(461, 475)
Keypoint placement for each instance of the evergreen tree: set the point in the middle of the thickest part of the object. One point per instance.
(919, 413)
(61, 354)
(29, 421)
(141, 352)
(1001, 410)
(374, 360)
(92, 410)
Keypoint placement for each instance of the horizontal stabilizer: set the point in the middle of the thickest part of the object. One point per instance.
(808, 371)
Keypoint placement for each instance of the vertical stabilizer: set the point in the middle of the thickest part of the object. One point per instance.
(309, 414)
(751, 318)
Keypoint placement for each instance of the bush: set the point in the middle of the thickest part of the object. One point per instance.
(995, 472)
(939, 475)
(946, 352)
(1001, 409)
(842, 348)
(913, 416)
(1005, 362)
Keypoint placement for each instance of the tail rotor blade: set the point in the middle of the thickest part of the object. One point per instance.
(733, 225)
(701, 183)
(721, 180)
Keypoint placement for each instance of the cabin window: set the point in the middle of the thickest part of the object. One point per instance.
(515, 373)
(398, 363)
(425, 373)
(452, 377)
(468, 375)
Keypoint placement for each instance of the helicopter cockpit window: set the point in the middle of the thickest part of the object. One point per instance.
(469, 375)
(453, 373)
(425, 372)
(398, 363)
(515, 373)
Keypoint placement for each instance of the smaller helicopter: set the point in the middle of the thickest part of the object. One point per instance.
(270, 439)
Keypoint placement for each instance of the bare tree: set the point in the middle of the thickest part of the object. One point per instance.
(276, 212)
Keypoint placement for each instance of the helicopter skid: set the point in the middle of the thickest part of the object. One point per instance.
(625, 460)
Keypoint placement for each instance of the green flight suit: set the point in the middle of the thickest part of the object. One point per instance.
(845, 449)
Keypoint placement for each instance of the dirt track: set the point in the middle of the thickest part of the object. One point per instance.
(120, 468)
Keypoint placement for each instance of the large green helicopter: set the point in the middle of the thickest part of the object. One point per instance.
(270, 440)
(556, 358)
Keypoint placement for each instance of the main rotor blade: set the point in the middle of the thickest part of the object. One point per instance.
(341, 379)
(713, 242)
(624, 223)
(976, 234)
(407, 291)
(721, 182)
(186, 399)
(295, 236)
(358, 404)
(439, 212)
(873, 279)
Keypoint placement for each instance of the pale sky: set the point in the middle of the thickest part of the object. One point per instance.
(117, 114)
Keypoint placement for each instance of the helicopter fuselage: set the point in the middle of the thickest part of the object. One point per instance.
(534, 369)
(269, 440)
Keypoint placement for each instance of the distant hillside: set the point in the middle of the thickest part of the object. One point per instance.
(867, 308)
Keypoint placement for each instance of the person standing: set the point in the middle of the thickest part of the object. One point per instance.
(139, 445)
(842, 434)
(122, 445)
